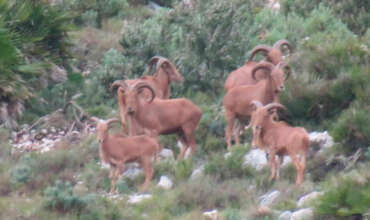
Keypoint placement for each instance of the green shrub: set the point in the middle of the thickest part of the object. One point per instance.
(213, 144)
(345, 196)
(353, 128)
(61, 198)
(21, 173)
(183, 169)
(343, 10)
(89, 18)
(232, 214)
(230, 167)
(207, 193)
(166, 167)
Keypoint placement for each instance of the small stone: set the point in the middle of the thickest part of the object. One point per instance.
(44, 131)
(211, 215)
(53, 130)
(228, 154)
(165, 182)
(197, 172)
(302, 214)
(137, 198)
(308, 199)
(285, 215)
(269, 198)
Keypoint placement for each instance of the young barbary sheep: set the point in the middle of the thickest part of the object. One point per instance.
(165, 73)
(160, 116)
(243, 75)
(279, 138)
(237, 100)
(117, 150)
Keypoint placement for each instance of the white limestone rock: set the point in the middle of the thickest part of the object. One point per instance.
(302, 214)
(269, 198)
(255, 158)
(307, 200)
(165, 182)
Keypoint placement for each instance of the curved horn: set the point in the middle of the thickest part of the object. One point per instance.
(274, 105)
(259, 48)
(256, 104)
(109, 121)
(177, 77)
(118, 83)
(141, 85)
(262, 65)
(154, 60)
(283, 42)
(286, 68)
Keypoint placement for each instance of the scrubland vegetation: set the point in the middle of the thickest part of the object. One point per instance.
(50, 52)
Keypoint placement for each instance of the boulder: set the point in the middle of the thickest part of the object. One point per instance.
(197, 172)
(302, 214)
(269, 198)
(255, 158)
(307, 200)
(286, 215)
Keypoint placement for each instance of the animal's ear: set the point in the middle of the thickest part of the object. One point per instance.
(286, 68)
(121, 90)
(172, 71)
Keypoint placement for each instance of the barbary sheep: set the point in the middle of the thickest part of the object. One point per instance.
(117, 150)
(160, 116)
(243, 75)
(237, 101)
(165, 73)
(279, 138)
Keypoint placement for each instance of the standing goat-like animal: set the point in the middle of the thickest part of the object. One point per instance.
(160, 116)
(237, 101)
(117, 150)
(165, 73)
(279, 138)
(243, 75)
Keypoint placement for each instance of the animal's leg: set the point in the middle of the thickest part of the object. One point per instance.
(118, 171)
(230, 117)
(298, 167)
(303, 167)
(237, 128)
(190, 139)
(183, 147)
(280, 162)
(146, 164)
(113, 178)
(272, 164)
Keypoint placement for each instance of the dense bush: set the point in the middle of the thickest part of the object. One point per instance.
(33, 38)
(93, 12)
(229, 167)
(61, 198)
(354, 13)
(347, 195)
(205, 43)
